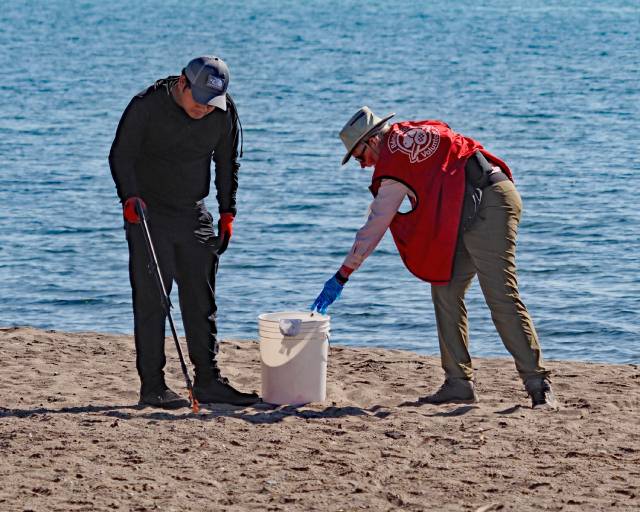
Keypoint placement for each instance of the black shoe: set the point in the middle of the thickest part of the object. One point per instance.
(453, 391)
(542, 396)
(219, 391)
(163, 398)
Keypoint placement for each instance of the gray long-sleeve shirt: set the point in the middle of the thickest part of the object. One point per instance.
(164, 156)
(381, 212)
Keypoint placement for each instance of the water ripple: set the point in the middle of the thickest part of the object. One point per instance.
(549, 86)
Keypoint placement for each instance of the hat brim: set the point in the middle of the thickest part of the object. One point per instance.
(347, 156)
(204, 98)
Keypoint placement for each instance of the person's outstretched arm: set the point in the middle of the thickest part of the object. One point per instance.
(381, 212)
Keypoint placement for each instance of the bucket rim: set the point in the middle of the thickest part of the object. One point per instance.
(305, 316)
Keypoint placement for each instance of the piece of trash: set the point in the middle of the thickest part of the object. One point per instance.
(290, 326)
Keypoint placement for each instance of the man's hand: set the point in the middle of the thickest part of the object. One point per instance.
(130, 211)
(330, 293)
(225, 225)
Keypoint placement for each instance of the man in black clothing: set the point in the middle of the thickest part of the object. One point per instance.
(161, 159)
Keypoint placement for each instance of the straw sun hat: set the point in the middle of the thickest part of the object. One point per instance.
(363, 123)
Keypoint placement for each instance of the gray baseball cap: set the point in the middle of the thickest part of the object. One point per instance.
(209, 78)
(363, 123)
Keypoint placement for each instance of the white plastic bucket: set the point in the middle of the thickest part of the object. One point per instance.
(294, 348)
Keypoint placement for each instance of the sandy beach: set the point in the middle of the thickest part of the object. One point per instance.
(72, 436)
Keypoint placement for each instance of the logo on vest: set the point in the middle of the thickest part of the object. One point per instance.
(419, 143)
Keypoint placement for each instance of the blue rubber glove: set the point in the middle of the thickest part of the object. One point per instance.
(330, 293)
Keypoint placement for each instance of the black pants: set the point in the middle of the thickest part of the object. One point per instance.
(192, 265)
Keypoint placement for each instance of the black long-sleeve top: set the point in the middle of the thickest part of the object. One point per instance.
(164, 156)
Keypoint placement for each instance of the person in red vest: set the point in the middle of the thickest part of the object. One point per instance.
(463, 222)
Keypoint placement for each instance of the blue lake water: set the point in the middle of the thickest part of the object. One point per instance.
(552, 87)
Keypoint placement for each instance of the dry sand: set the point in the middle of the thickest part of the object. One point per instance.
(72, 436)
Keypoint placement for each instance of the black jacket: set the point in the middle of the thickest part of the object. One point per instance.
(164, 156)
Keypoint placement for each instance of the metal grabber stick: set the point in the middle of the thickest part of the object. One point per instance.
(166, 301)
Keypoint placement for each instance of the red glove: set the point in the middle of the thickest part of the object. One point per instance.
(225, 225)
(130, 212)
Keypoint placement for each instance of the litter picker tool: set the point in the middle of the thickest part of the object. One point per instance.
(220, 243)
(166, 301)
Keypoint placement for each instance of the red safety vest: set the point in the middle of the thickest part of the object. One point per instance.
(429, 158)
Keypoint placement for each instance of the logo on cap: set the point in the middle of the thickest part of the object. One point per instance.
(215, 82)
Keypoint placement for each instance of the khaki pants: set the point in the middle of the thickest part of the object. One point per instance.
(488, 249)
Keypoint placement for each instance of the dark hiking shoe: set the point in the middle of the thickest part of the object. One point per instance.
(542, 396)
(454, 391)
(163, 398)
(219, 391)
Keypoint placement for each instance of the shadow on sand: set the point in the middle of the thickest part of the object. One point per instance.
(258, 414)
